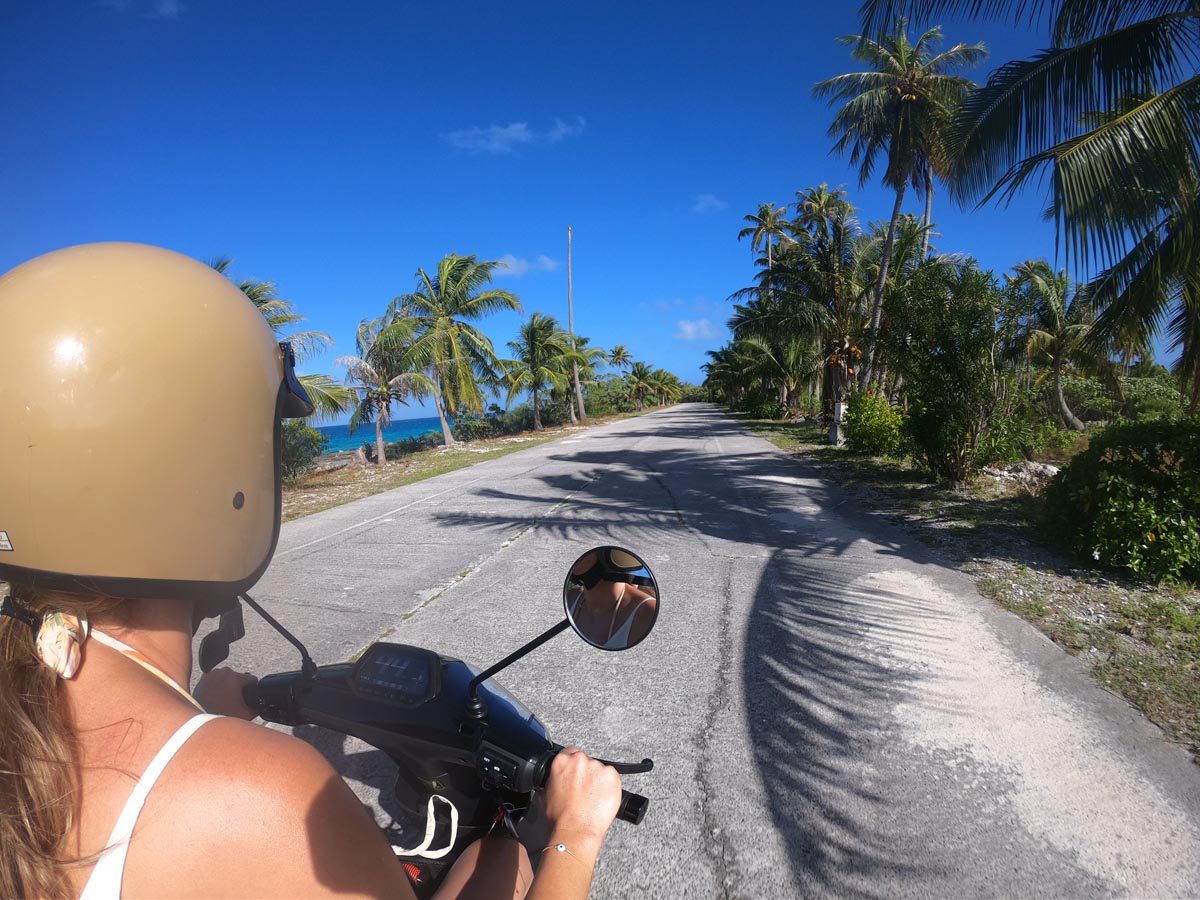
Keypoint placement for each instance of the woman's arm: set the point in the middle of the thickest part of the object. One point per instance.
(582, 798)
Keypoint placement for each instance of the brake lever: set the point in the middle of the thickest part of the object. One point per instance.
(646, 765)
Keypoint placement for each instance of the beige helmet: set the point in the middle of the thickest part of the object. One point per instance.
(141, 395)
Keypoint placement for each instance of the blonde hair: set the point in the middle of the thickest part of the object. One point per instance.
(39, 761)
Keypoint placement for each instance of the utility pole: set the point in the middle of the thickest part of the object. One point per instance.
(571, 331)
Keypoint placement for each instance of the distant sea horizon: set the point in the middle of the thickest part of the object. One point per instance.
(340, 438)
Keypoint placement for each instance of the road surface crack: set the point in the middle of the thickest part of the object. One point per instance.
(715, 838)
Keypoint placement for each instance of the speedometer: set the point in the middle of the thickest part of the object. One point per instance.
(397, 673)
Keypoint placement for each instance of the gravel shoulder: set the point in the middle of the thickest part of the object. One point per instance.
(1140, 641)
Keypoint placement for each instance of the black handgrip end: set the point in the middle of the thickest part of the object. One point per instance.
(633, 808)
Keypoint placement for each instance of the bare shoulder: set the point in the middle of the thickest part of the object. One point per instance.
(261, 814)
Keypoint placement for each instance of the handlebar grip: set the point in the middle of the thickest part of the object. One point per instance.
(633, 808)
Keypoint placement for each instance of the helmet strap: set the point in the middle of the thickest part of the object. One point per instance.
(14, 610)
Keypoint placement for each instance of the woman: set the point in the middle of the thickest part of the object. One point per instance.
(141, 397)
(610, 598)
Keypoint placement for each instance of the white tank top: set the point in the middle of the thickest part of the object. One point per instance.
(105, 881)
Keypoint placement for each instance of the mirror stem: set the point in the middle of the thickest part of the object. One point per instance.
(307, 666)
(476, 708)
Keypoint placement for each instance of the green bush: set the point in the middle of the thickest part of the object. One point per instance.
(607, 396)
(1151, 398)
(1021, 428)
(757, 406)
(302, 444)
(474, 427)
(1088, 398)
(1132, 500)
(873, 425)
(405, 446)
(944, 339)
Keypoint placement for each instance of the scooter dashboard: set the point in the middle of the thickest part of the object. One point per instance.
(397, 673)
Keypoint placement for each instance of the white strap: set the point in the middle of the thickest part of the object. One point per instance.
(430, 826)
(106, 877)
(144, 661)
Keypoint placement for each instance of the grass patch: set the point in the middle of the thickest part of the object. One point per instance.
(1141, 641)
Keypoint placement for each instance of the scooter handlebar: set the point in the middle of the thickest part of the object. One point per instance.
(633, 808)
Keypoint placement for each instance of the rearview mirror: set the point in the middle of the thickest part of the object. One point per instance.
(611, 598)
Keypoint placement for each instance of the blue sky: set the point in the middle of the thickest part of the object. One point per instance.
(334, 148)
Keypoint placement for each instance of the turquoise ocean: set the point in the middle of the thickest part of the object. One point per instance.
(340, 438)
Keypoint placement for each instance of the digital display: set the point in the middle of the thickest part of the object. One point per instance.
(398, 673)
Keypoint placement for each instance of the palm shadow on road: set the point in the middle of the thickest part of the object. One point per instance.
(814, 671)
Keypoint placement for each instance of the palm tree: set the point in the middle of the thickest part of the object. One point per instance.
(457, 355)
(619, 357)
(1056, 329)
(816, 293)
(542, 359)
(729, 373)
(666, 385)
(586, 360)
(766, 225)
(381, 377)
(639, 382)
(1113, 111)
(329, 398)
(900, 108)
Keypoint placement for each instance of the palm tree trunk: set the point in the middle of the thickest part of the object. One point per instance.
(579, 393)
(571, 409)
(864, 376)
(769, 253)
(380, 453)
(928, 214)
(537, 415)
(1069, 417)
(447, 437)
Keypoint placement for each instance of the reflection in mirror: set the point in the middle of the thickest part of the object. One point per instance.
(611, 598)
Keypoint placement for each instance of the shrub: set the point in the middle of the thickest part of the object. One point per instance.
(302, 444)
(873, 425)
(757, 406)
(474, 427)
(1088, 398)
(607, 396)
(1020, 428)
(944, 339)
(1132, 500)
(1151, 398)
(405, 446)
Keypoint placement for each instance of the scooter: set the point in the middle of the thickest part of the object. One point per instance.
(470, 756)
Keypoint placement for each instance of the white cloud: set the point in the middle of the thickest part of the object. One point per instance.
(562, 130)
(518, 266)
(166, 9)
(493, 139)
(153, 9)
(705, 203)
(506, 138)
(695, 330)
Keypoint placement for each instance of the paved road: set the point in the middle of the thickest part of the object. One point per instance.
(831, 712)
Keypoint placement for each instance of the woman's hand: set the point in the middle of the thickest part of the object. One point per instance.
(220, 693)
(582, 799)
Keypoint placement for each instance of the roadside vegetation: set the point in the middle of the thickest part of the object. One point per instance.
(1017, 421)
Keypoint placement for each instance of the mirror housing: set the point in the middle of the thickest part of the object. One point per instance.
(611, 598)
